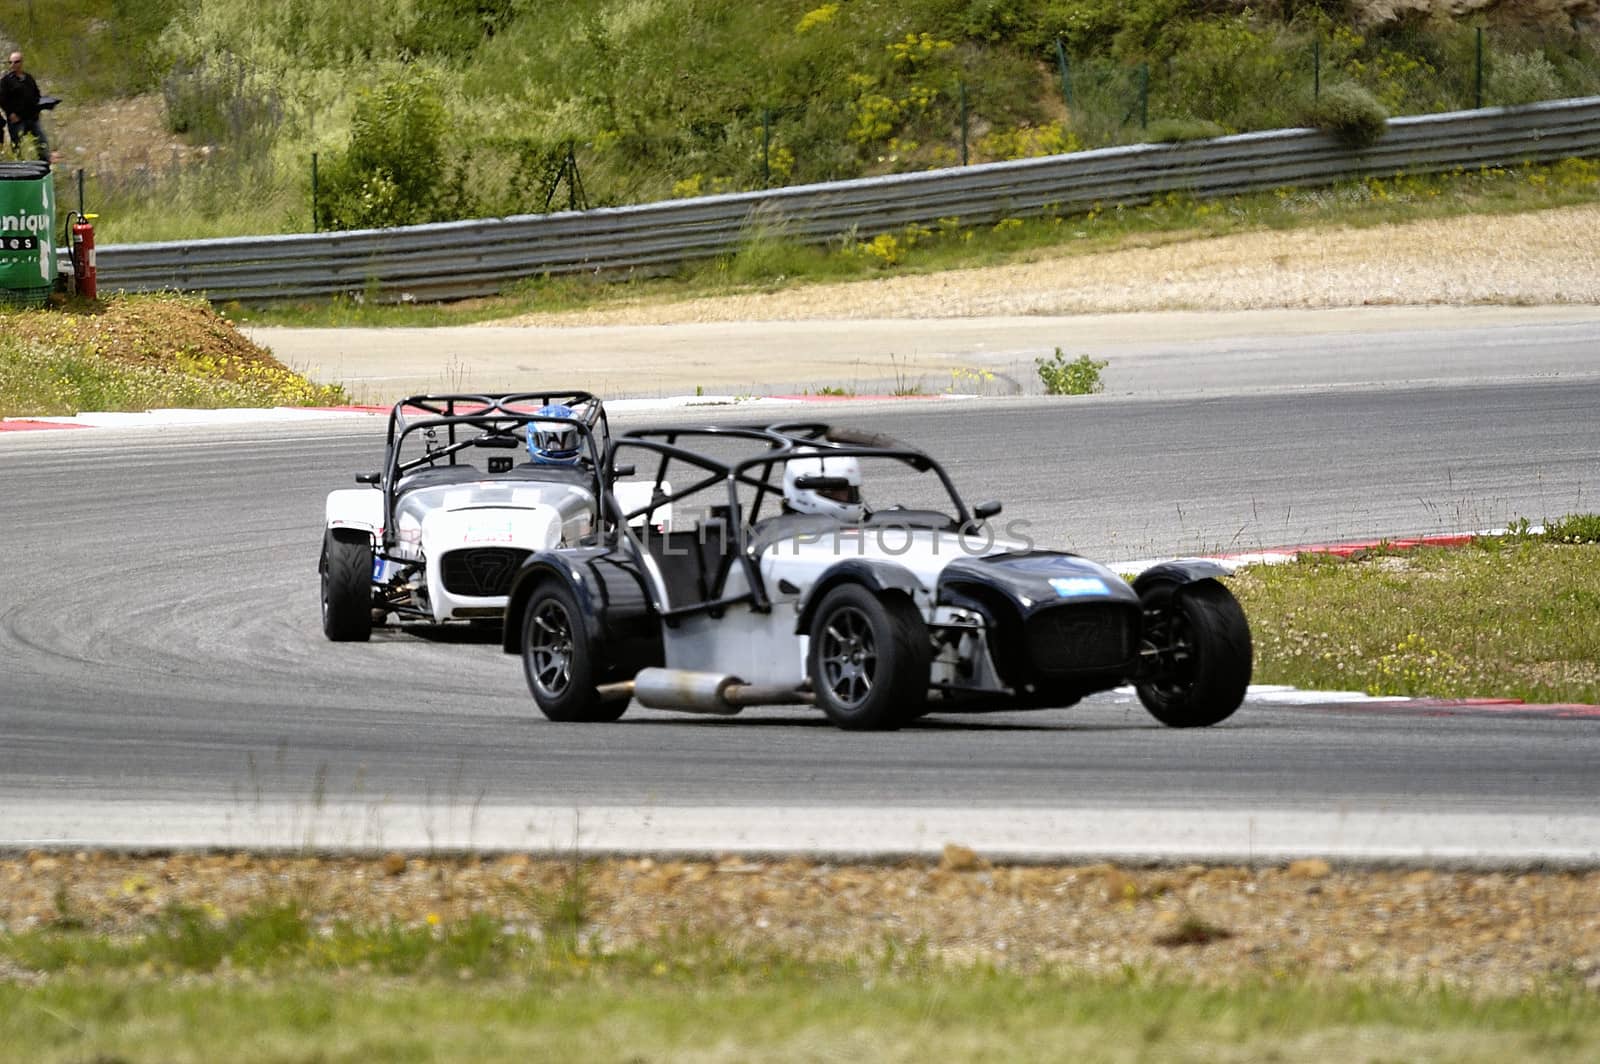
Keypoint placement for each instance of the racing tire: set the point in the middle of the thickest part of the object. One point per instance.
(347, 585)
(1203, 654)
(558, 660)
(869, 659)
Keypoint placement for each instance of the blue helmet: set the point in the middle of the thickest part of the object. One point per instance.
(553, 442)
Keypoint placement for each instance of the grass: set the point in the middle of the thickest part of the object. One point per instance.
(1498, 619)
(268, 985)
(775, 264)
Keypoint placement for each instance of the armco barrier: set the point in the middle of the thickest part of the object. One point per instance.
(458, 259)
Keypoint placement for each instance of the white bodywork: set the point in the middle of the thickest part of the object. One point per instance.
(764, 647)
(516, 514)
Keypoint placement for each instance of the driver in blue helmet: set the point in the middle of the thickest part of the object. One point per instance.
(554, 443)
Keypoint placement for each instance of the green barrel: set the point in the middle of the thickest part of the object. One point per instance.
(27, 231)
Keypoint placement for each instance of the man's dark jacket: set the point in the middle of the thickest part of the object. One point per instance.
(19, 95)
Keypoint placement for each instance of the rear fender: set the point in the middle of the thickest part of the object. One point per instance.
(876, 576)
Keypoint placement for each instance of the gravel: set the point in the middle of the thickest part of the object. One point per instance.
(1544, 258)
(1485, 932)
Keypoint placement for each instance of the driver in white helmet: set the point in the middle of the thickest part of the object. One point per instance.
(839, 501)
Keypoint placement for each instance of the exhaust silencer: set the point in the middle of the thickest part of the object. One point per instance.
(708, 692)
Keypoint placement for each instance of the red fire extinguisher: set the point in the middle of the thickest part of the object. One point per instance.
(81, 245)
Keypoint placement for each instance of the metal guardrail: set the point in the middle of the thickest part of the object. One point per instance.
(458, 259)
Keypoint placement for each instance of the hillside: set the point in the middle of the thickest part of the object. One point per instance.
(433, 109)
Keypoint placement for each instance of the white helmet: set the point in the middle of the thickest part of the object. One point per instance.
(841, 503)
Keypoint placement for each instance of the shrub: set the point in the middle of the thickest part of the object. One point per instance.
(1170, 130)
(1349, 112)
(1224, 70)
(1521, 77)
(391, 173)
(1081, 376)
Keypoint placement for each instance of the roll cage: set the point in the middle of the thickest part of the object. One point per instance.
(771, 447)
(495, 421)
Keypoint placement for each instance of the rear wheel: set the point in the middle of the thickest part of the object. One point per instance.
(1203, 654)
(558, 660)
(870, 658)
(347, 608)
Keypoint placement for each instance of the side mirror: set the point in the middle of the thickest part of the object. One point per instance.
(985, 510)
(369, 478)
(622, 470)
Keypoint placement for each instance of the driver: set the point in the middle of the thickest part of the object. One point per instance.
(554, 443)
(842, 504)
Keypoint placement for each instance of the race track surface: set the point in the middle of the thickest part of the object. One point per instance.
(164, 667)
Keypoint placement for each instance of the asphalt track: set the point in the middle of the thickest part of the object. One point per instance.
(165, 681)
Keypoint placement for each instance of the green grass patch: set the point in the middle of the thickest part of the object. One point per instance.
(766, 262)
(268, 985)
(1504, 618)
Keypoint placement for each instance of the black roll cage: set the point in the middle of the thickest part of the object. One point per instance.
(499, 416)
(774, 445)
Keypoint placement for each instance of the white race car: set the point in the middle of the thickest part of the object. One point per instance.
(875, 616)
(471, 486)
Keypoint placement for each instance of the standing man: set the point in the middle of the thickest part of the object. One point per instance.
(19, 99)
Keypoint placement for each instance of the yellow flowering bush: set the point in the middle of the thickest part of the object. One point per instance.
(817, 16)
(1028, 142)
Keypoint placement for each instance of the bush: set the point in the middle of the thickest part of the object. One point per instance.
(1170, 130)
(1081, 376)
(394, 171)
(1349, 112)
(1521, 77)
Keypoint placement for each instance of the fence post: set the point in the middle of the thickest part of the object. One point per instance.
(315, 220)
(1477, 80)
(962, 87)
(1144, 95)
(80, 191)
(1316, 67)
(766, 147)
(1066, 73)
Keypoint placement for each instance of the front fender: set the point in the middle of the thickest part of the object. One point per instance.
(1180, 572)
(568, 568)
(876, 576)
(617, 616)
(360, 508)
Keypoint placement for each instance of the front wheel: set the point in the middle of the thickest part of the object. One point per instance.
(1201, 650)
(347, 608)
(870, 658)
(558, 660)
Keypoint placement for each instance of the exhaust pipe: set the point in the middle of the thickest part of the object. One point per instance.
(702, 692)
